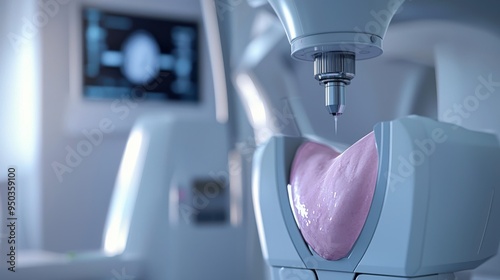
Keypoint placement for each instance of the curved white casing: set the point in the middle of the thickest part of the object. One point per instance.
(150, 231)
(316, 26)
(420, 204)
(174, 153)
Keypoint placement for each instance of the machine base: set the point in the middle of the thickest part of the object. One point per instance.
(288, 273)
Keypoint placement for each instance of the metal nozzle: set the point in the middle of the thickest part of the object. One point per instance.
(334, 70)
(335, 98)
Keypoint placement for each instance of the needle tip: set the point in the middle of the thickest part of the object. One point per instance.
(335, 117)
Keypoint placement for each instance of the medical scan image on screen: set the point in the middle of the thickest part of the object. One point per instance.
(129, 56)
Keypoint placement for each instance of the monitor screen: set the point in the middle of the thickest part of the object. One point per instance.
(131, 56)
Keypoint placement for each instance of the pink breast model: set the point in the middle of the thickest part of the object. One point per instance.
(332, 193)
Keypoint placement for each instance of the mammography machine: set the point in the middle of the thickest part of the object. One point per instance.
(187, 139)
(434, 207)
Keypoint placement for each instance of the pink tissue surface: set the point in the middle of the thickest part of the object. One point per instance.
(332, 194)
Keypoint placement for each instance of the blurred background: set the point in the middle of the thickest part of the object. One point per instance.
(76, 76)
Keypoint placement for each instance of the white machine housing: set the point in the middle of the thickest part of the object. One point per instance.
(334, 34)
(156, 201)
(151, 231)
(322, 26)
(434, 212)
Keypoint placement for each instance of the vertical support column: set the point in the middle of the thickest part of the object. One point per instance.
(468, 83)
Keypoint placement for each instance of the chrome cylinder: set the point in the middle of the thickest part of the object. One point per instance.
(335, 97)
(334, 70)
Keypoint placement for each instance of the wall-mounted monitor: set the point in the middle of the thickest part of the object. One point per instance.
(132, 56)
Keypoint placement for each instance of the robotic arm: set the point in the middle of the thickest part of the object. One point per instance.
(333, 34)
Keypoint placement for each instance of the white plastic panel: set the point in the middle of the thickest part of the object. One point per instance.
(441, 201)
(277, 246)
